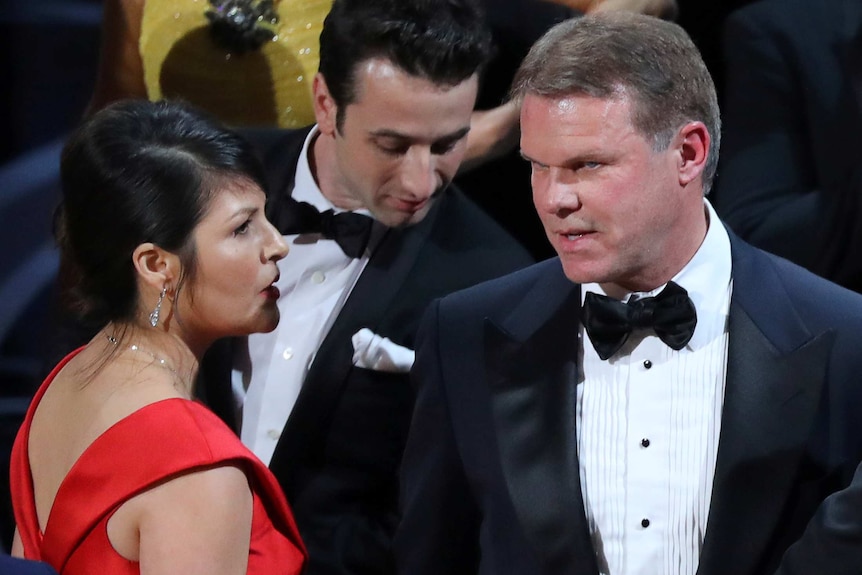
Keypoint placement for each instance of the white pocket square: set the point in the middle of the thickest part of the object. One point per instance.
(371, 351)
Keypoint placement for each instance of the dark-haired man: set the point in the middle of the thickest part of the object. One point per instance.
(326, 400)
(660, 399)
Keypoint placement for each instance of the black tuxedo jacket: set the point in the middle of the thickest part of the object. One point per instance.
(832, 542)
(490, 476)
(788, 180)
(338, 455)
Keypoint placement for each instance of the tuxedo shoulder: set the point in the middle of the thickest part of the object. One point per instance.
(541, 278)
(816, 299)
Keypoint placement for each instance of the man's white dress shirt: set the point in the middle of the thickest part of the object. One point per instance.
(648, 422)
(316, 279)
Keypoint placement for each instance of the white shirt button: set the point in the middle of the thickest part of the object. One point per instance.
(287, 353)
(273, 434)
(318, 277)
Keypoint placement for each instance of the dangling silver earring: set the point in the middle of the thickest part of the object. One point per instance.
(154, 317)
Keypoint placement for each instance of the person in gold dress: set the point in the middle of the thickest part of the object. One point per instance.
(166, 49)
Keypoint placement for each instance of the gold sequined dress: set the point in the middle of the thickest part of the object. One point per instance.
(270, 86)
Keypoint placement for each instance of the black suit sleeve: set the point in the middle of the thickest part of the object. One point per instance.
(439, 526)
(766, 188)
(832, 542)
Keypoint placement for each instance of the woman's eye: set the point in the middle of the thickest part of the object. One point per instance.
(242, 229)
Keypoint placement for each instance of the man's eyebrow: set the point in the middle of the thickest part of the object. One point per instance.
(572, 161)
(386, 133)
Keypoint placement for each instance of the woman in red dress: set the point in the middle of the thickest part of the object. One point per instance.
(116, 469)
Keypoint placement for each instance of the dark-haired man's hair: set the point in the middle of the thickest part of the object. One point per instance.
(444, 41)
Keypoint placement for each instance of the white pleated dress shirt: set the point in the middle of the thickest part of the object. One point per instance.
(648, 422)
(316, 279)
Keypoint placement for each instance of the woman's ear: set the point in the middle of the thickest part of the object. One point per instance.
(155, 266)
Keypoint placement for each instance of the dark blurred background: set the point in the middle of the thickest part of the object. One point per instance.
(48, 56)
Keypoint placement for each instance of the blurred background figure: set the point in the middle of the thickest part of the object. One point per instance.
(48, 55)
(703, 20)
(789, 180)
(248, 62)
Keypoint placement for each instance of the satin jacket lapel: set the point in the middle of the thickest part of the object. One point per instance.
(531, 360)
(775, 372)
(367, 305)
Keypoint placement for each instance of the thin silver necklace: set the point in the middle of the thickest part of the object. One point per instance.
(160, 361)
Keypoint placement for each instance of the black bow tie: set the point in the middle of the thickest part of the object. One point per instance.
(350, 231)
(609, 322)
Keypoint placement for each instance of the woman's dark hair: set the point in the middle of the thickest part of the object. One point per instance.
(138, 172)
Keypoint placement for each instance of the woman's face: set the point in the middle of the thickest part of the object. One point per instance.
(232, 292)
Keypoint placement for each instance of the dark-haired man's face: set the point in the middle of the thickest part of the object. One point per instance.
(400, 143)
